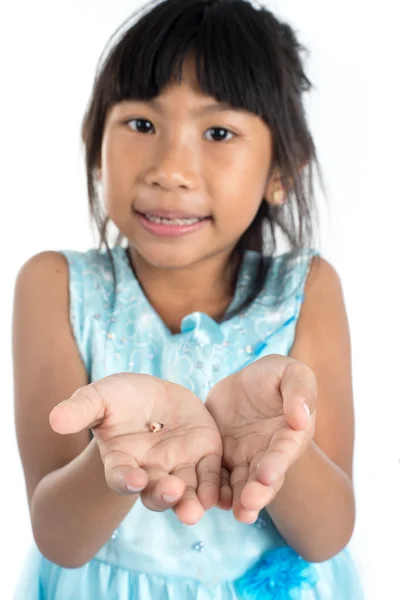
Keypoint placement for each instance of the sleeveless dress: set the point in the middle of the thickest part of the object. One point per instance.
(152, 556)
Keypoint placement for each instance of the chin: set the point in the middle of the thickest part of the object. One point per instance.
(169, 258)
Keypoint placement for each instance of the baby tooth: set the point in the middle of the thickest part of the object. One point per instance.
(161, 220)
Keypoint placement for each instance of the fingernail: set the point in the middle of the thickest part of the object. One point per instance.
(133, 489)
(307, 410)
(170, 499)
(252, 522)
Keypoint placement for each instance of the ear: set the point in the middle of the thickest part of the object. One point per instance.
(275, 194)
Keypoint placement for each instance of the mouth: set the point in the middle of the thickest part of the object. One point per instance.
(171, 224)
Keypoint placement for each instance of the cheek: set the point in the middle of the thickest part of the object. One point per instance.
(118, 179)
(116, 163)
(239, 188)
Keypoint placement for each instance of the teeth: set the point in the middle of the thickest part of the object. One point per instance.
(162, 221)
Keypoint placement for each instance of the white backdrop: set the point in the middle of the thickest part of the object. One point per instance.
(48, 55)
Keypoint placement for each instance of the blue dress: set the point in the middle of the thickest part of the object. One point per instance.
(152, 555)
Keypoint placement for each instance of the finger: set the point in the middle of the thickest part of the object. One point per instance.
(208, 480)
(239, 478)
(225, 492)
(299, 392)
(255, 497)
(163, 490)
(86, 408)
(122, 472)
(285, 447)
(259, 497)
(189, 509)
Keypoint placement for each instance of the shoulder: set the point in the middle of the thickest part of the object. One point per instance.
(92, 265)
(322, 291)
(43, 269)
(322, 274)
(44, 260)
(62, 276)
(41, 290)
(59, 263)
(64, 290)
(52, 268)
(41, 300)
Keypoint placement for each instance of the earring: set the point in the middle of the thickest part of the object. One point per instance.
(278, 198)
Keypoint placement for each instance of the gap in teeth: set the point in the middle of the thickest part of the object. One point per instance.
(163, 221)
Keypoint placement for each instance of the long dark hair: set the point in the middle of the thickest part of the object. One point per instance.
(245, 56)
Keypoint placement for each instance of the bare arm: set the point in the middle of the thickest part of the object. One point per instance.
(314, 510)
(68, 496)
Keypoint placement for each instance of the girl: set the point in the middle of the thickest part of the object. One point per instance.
(194, 465)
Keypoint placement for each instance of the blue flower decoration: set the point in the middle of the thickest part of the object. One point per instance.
(280, 574)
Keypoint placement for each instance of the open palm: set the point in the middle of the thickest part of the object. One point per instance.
(263, 415)
(177, 466)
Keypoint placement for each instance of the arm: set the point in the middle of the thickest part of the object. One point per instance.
(68, 497)
(314, 510)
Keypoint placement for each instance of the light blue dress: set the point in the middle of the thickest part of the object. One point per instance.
(152, 555)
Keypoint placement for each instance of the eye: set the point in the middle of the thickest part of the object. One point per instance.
(218, 134)
(141, 125)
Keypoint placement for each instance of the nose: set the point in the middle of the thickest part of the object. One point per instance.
(173, 166)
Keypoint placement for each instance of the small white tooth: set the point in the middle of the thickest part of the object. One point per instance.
(184, 221)
(153, 219)
(163, 221)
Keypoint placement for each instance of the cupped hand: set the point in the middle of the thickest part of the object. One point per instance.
(177, 466)
(266, 417)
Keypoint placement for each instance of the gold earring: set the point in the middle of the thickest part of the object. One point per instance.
(278, 197)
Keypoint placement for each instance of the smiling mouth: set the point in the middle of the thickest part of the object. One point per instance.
(171, 223)
(164, 217)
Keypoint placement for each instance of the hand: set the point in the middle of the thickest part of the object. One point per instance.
(266, 417)
(178, 466)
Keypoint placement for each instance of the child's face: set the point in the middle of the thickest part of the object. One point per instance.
(165, 155)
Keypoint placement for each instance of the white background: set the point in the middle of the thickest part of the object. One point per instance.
(48, 56)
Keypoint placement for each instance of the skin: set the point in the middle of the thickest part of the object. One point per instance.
(74, 486)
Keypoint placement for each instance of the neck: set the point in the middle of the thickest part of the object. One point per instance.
(174, 293)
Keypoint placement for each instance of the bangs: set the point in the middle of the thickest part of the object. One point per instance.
(233, 51)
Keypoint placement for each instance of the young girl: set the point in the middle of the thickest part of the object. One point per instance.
(194, 466)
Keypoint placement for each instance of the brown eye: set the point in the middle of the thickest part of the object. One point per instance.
(218, 134)
(141, 125)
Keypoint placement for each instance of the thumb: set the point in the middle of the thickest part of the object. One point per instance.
(299, 392)
(85, 409)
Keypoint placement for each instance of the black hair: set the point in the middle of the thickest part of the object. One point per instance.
(245, 56)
